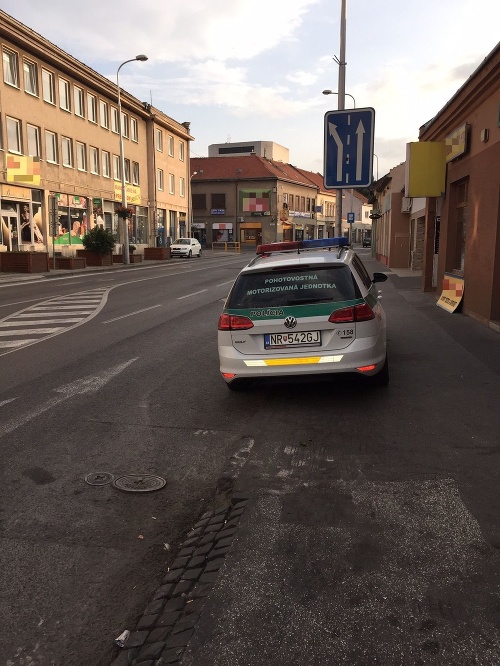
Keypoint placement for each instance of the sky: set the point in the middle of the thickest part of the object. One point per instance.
(254, 70)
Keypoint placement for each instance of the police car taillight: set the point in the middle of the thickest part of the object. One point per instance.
(362, 312)
(229, 322)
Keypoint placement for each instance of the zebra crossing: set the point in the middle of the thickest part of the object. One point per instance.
(50, 318)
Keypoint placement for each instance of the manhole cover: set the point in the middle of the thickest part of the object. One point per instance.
(99, 478)
(137, 483)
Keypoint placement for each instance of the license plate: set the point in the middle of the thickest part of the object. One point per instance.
(297, 339)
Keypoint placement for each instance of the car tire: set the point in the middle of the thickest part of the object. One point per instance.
(189, 254)
(199, 254)
(382, 377)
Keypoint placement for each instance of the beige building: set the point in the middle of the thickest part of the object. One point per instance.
(60, 146)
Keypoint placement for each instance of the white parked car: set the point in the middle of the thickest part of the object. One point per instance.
(303, 308)
(186, 247)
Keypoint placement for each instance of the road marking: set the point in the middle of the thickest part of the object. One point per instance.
(85, 385)
(223, 284)
(131, 314)
(6, 402)
(195, 293)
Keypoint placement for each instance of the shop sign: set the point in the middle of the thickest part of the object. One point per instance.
(456, 143)
(453, 291)
(14, 192)
(132, 191)
(198, 225)
(217, 211)
(23, 169)
(222, 225)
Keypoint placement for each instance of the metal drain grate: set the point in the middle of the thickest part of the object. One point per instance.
(99, 478)
(137, 483)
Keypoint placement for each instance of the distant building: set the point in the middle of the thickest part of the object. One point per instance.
(267, 149)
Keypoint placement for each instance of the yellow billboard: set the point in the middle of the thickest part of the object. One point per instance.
(453, 290)
(425, 169)
(23, 170)
(133, 194)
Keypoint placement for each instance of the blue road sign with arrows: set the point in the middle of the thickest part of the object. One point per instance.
(348, 156)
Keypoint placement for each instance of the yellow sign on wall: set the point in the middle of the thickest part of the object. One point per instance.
(23, 170)
(456, 143)
(453, 290)
(133, 194)
(425, 169)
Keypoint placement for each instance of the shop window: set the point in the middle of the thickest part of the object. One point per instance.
(30, 77)
(10, 68)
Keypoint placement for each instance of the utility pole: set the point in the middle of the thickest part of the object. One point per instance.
(341, 106)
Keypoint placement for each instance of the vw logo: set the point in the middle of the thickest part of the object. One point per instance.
(290, 322)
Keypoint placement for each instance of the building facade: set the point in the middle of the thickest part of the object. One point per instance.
(462, 227)
(60, 147)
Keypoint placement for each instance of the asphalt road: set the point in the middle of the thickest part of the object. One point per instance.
(371, 534)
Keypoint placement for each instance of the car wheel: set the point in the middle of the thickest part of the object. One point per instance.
(382, 377)
(199, 254)
(189, 254)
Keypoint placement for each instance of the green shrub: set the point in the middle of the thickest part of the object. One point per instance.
(99, 240)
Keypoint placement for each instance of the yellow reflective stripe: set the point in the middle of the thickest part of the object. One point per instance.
(293, 361)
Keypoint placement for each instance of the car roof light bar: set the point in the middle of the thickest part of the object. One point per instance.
(315, 244)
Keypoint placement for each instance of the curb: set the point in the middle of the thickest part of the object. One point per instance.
(170, 618)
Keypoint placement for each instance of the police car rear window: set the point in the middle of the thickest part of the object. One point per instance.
(293, 287)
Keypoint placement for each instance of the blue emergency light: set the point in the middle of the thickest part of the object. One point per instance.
(290, 246)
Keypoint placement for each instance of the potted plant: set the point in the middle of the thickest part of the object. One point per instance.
(98, 244)
(124, 212)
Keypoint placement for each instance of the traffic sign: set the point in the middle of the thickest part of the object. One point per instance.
(348, 152)
(350, 218)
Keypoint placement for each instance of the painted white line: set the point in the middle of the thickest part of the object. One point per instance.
(6, 402)
(223, 284)
(73, 320)
(89, 384)
(36, 331)
(195, 293)
(31, 300)
(131, 314)
(8, 344)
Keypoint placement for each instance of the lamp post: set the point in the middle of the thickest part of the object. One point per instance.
(191, 217)
(377, 163)
(332, 92)
(125, 250)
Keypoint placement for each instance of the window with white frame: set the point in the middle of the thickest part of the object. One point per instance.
(30, 77)
(114, 120)
(48, 88)
(124, 125)
(171, 183)
(14, 142)
(51, 147)
(33, 134)
(159, 140)
(134, 134)
(171, 146)
(106, 164)
(182, 187)
(116, 167)
(10, 68)
(135, 173)
(91, 108)
(64, 95)
(94, 160)
(127, 170)
(181, 151)
(104, 114)
(78, 102)
(67, 151)
(81, 156)
(159, 180)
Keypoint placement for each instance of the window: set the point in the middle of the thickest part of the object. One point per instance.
(10, 68)
(290, 196)
(171, 146)
(103, 110)
(94, 160)
(33, 141)
(134, 135)
(116, 167)
(182, 187)
(64, 95)
(135, 173)
(79, 102)
(199, 202)
(67, 151)
(51, 147)
(81, 156)
(181, 151)
(125, 125)
(106, 164)
(159, 180)
(127, 171)
(218, 201)
(114, 120)
(159, 140)
(48, 89)
(14, 144)
(91, 108)
(30, 77)
(171, 183)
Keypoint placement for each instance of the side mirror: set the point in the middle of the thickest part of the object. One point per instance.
(379, 277)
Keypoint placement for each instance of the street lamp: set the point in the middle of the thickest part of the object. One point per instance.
(377, 163)
(125, 250)
(332, 92)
